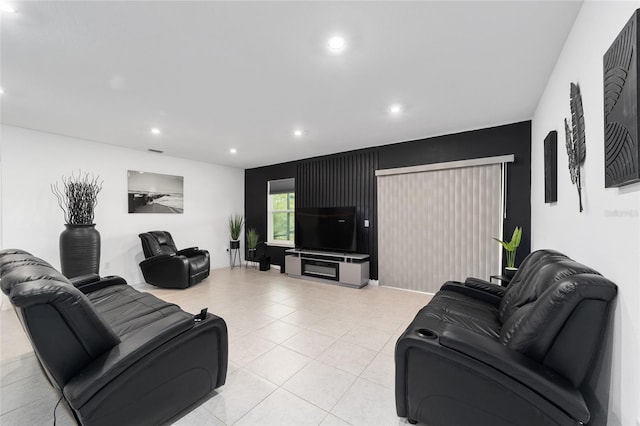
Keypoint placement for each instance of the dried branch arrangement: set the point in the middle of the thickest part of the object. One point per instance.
(77, 197)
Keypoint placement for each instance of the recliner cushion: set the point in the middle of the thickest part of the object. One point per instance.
(126, 310)
(448, 307)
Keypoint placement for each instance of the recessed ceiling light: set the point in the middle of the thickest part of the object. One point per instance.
(155, 131)
(395, 109)
(7, 8)
(233, 151)
(297, 133)
(336, 44)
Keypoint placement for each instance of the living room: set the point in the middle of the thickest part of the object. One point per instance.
(71, 102)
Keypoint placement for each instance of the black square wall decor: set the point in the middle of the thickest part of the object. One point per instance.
(622, 157)
(551, 167)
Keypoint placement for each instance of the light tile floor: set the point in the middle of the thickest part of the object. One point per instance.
(300, 353)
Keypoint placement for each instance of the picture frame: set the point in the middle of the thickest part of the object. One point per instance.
(551, 167)
(155, 193)
(621, 65)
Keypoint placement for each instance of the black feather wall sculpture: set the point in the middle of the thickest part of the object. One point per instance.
(576, 146)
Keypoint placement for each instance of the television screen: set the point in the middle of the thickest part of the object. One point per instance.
(326, 228)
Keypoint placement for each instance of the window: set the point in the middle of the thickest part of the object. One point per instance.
(281, 202)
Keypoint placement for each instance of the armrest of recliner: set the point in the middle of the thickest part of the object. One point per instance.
(92, 282)
(471, 292)
(110, 365)
(190, 251)
(543, 381)
(166, 269)
(161, 258)
(485, 286)
(173, 260)
(84, 279)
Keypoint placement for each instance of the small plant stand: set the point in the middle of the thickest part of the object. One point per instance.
(251, 260)
(234, 254)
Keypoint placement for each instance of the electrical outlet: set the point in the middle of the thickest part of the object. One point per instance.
(366, 223)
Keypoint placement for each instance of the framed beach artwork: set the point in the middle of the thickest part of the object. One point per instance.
(155, 193)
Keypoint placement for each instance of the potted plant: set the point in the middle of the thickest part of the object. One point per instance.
(252, 242)
(80, 241)
(235, 227)
(511, 248)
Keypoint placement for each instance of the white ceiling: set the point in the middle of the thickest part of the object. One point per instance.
(216, 75)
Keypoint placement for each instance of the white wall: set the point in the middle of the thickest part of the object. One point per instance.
(606, 236)
(32, 220)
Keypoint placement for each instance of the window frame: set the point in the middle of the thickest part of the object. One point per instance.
(270, 213)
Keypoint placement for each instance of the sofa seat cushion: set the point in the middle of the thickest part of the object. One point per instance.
(126, 310)
(448, 307)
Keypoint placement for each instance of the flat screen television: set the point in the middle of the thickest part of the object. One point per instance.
(326, 228)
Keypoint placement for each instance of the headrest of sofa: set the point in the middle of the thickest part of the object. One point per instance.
(7, 252)
(31, 282)
(539, 309)
(14, 262)
(527, 270)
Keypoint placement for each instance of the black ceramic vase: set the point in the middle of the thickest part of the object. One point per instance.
(80, 250)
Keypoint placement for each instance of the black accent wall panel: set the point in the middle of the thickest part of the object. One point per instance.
(344, 180)
(349, 179)
(255, 201)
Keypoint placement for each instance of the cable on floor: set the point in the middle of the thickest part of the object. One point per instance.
(54, 410)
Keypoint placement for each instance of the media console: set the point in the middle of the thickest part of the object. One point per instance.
(349, 269)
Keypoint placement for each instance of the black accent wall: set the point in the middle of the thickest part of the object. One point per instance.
(255, 201)
(343, 180)
(348, 178)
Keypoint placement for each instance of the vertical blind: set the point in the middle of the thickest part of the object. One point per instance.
(436, 226)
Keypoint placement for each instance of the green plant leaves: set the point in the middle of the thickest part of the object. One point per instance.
(507, 246)
(512, 246)
(235, 225)
(252, 238)
(516, 237)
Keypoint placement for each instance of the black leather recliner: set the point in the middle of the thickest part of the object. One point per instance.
(483, 354)
(166, 266)
(117, 356)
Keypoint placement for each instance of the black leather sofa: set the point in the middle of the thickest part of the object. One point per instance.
(166, 266)
(116, 355)
(483, 354)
